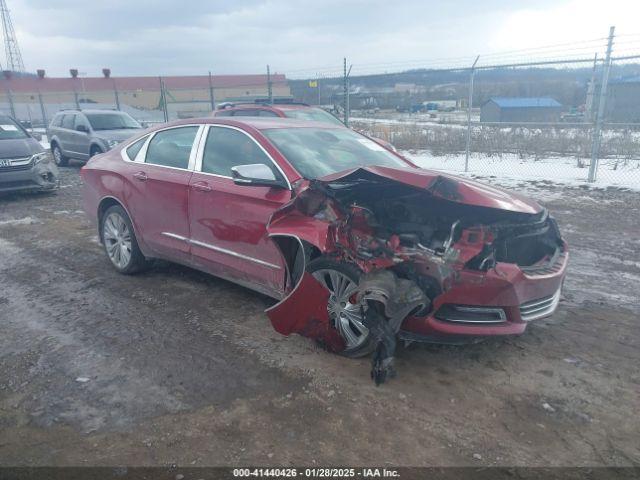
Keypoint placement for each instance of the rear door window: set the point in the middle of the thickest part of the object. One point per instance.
(68, 120)
(171, 148)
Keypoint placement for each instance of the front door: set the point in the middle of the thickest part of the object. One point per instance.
(228, 221)
(158, 191)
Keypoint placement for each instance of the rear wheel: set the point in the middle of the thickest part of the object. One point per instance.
(59, 159)
(120, 242)
(95, 150)
(341, 280)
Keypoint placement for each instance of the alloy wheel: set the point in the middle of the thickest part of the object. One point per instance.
(344, 314)
(117, 240)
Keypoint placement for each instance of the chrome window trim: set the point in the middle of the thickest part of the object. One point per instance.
(141, 156)
(221, 250)
(123, 151)
(201, 146)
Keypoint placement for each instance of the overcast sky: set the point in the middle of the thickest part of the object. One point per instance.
(297, 37)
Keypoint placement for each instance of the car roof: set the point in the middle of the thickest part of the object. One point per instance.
(269, 106)
(258, 123)
(89, 110)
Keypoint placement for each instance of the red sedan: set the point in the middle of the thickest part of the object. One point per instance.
(360, 247)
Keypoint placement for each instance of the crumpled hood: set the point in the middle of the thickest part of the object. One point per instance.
(117, 135)
(442, 185)
(19, 147)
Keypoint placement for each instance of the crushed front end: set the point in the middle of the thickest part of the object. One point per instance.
(442, 259)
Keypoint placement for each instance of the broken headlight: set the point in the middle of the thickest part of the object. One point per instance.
(42, 157)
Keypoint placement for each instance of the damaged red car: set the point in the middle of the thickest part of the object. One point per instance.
(360, 247)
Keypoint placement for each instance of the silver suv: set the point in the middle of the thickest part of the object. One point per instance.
(81, 134)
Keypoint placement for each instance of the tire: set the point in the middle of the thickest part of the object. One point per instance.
(59, 159)
(119, 241)
(95, 150)
(359, 342)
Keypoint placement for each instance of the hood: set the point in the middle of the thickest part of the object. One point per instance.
(117, 135)
(448, 187)
(19, 147)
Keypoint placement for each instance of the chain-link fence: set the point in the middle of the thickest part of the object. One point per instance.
(561, 118)
(34, 101)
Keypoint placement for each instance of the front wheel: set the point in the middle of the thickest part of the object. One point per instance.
(59, 159)
(342, 279)
(120, 242)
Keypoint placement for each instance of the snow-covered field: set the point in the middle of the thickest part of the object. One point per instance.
(511, 169)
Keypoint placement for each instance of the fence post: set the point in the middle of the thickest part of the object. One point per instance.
(211, 97)
(11, 105)
(116, 96)
(42, 109)
(163, 100)
(269, 85)
(75, 96)
(469, 106)
(597, 131)
(345, 92)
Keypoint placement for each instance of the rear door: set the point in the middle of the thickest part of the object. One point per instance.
(228, 221)
(158, 183)
(66, 135)
(80, 141)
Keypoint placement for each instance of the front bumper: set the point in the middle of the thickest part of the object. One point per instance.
(42, 176)
(523, 297)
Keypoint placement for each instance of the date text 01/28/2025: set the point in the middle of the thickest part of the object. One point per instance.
(316, 472)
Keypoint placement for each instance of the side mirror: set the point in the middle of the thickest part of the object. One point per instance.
(256, 174)
(82, 128)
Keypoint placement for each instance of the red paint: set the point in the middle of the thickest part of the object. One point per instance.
(212, 210)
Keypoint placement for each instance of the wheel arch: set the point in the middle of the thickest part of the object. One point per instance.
(296, 253)
(107, 202)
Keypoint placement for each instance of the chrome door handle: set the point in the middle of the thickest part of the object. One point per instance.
(201, 186)
(140, 176)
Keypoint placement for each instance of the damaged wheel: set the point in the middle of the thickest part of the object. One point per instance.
(120, 242)
(342, 280)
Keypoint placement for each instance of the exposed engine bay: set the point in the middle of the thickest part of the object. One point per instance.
(411, 244)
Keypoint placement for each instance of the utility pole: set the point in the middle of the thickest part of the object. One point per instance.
(468, 149)
(597, 131)
(269, 85)
(345, 92)
(211, 97)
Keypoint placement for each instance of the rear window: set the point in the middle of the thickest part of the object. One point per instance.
(313, 114)
(57, 121)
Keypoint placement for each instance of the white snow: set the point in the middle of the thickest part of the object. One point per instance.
(511, 169)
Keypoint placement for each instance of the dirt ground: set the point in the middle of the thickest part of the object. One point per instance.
(177, 367)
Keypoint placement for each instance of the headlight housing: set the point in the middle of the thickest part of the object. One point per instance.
(42, 157)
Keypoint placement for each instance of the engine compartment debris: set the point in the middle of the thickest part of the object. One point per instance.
(411, 237)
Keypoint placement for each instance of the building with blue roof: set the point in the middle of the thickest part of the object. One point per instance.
(521, 109)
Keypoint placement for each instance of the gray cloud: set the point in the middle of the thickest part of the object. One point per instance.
(300, 37)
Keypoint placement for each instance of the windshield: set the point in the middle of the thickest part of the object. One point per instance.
(316, 152)
(315, 114)
(9, 130)
(111, 121)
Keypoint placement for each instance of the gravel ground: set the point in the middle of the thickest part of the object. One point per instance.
(177, 367)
